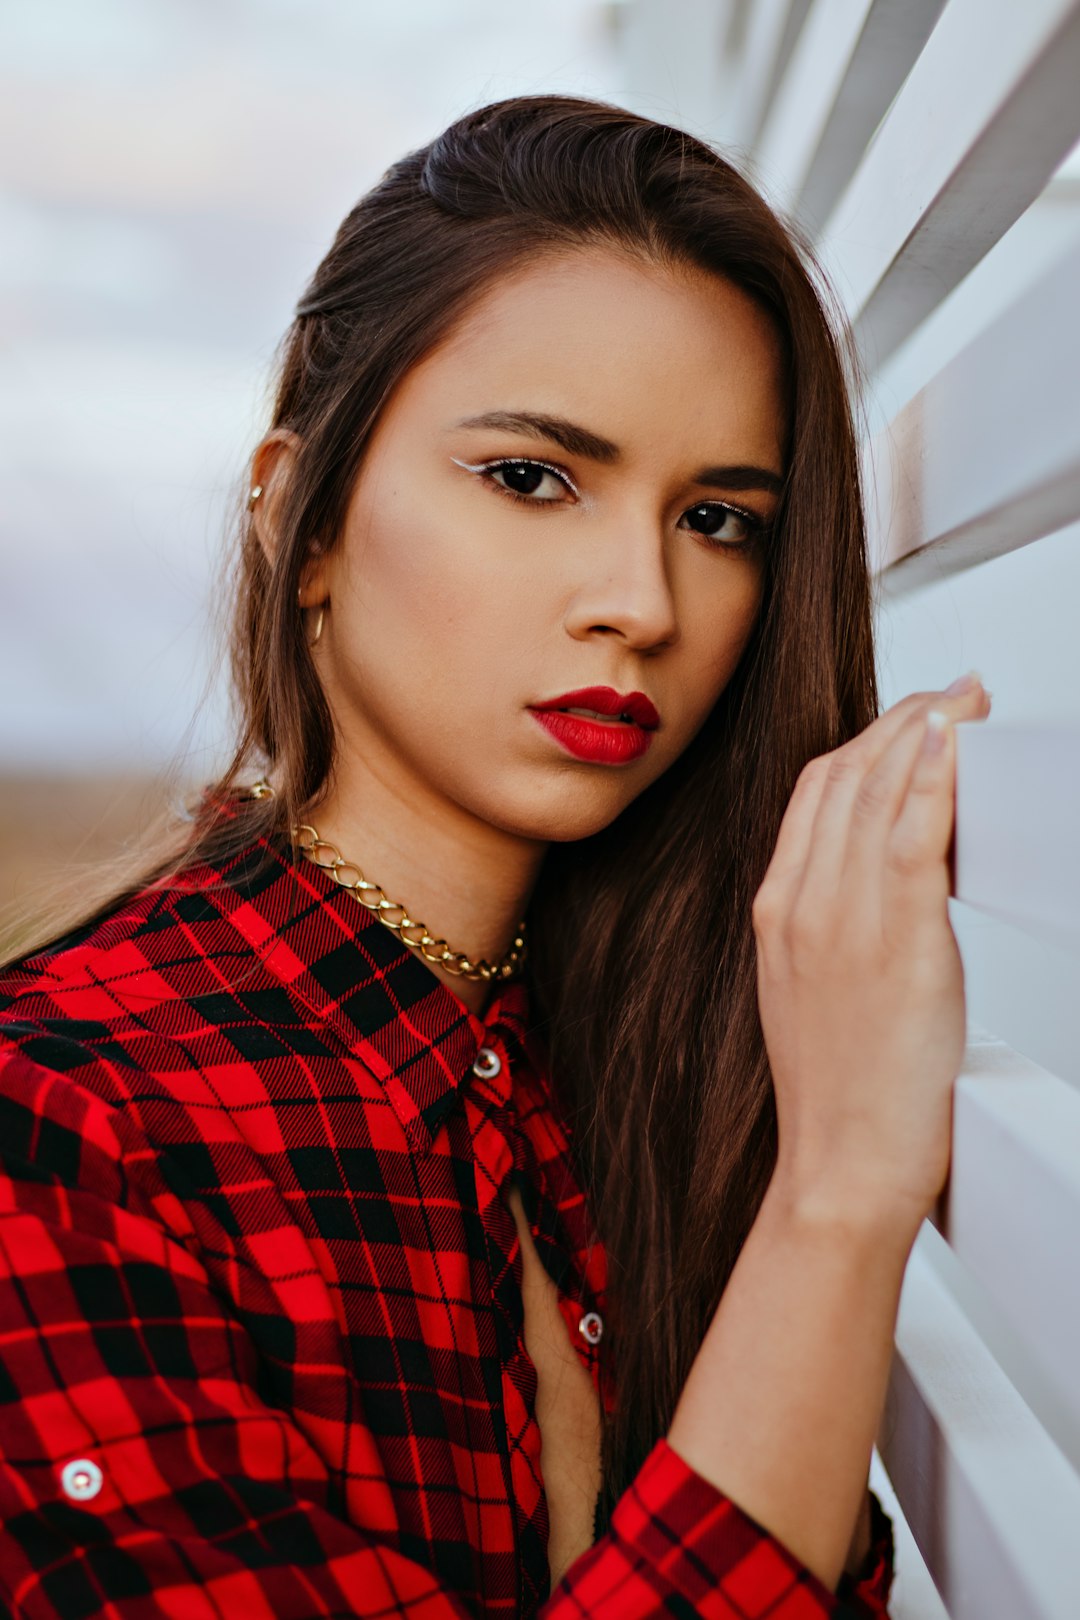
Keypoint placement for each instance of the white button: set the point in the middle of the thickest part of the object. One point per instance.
(488, 1063)
(81, 1479)
(591, 1327)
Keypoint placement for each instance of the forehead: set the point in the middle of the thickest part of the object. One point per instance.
(679, 360)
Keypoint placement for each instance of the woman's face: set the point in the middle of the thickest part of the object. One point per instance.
(454, 608)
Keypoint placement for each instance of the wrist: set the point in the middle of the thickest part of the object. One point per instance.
(860, 1218)
(783, 1400)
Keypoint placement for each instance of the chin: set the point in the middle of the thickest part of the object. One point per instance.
(568, 815)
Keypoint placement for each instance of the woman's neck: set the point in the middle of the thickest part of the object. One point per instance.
(467, 881)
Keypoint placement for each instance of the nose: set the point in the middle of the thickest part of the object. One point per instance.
(626, 590)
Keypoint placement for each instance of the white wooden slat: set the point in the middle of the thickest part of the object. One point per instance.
(1017, 821)
(993, 1504)
(894, 34)
(848, 62)
(914, 1595)
(986, 457)
(767, 22)
(983, 119)
(1000, 1333)
(1012, 1210)
(1046, 231)
(1024, 987)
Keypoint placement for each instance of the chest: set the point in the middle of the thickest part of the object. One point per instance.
(567, 1409)
(434, 1356)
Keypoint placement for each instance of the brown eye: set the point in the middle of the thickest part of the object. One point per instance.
(724, 525)
(523, 478)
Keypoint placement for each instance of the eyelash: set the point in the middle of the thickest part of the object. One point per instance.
(757, 526)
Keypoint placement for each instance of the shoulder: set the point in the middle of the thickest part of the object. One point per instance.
(61, 1005)
(122, 1043)
(117, 998)
(77, 1043)
(64, 1005)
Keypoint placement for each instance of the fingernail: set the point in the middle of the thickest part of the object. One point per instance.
(964, 683)
(937, 725)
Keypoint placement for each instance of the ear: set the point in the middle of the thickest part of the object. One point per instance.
(271, 467)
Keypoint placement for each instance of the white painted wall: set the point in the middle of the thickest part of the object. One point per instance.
(965, 198)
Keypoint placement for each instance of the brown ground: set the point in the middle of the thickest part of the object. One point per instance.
(56, 832)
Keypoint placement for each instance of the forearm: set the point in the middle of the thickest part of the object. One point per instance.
(782, 1404)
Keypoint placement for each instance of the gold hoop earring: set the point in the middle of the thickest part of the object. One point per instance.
(318, 621)
(253, 497)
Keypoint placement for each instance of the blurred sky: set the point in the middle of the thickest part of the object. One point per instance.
(170, 175)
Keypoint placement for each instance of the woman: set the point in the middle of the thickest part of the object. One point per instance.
(553, 614)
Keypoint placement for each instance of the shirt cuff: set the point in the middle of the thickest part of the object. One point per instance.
(724, 1562)
(871, 1585)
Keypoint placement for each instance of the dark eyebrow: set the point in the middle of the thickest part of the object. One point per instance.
(581, 441)
(577, 440)
(740, 478)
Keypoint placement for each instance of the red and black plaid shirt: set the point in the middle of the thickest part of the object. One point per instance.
(261, 1322)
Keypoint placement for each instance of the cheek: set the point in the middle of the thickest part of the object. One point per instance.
(413, 582)
(429, 620)
(450, 592)
(716, 629)
(420, 579)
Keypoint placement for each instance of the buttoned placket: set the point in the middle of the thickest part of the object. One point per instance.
(491, 1065)
(498, 1151)
(501, 1156)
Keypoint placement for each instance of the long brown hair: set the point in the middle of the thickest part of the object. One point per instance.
(642, 971)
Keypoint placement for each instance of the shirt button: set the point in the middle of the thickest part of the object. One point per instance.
(488, 1063)
(81, 1479)
(591, 1327)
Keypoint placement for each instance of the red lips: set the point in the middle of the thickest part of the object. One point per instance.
(605, 700)
(614, 741)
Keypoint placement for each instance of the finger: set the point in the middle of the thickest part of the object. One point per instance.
(851, 788)
(885, 795)
(916, 875)
(965, 705)
(838, 775)
(798, 825)
(856, 813)
(793, 839)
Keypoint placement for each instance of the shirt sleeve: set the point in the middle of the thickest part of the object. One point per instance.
(143, 1475)
(677, 1533)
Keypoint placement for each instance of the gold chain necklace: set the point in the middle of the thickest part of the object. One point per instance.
(321, 853)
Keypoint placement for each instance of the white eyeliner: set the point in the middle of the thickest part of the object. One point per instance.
(527, 461)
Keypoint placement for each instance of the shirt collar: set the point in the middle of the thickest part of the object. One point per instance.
(408, 1028)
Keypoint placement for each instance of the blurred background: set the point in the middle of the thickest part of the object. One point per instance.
(170, 175)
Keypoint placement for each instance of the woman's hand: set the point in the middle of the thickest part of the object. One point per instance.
(860, 983)
(861, 992)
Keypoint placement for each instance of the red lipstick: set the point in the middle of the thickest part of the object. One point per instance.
(616, 728)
